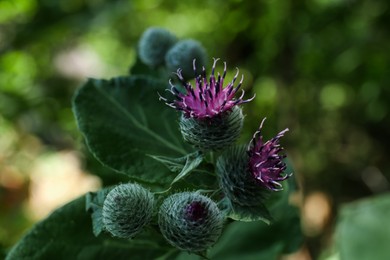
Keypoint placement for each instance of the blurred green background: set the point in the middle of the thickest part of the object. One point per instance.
(319, 67)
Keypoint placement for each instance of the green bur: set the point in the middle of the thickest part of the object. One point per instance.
(182, 55)
(127, 209)
(154, 44)
(190, 221)
(213, 133)
(236, 180)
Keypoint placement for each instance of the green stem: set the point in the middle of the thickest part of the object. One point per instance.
(162, 192)
(212, 157)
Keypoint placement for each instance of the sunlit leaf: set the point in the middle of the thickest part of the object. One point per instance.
(362, 231)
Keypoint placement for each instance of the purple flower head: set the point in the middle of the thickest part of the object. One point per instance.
(209, 98)
(195, 211)
(265, 162)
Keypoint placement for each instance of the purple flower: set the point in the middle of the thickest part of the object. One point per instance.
(209, 98)
(195, 211)
(265, 162)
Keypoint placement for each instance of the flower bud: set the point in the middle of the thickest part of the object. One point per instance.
(182, 54)
(190, 221)
(127, 209)
(236, 180)
(154, 44)
(213, 133)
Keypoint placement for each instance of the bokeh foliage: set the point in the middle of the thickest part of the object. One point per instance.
(318, 67)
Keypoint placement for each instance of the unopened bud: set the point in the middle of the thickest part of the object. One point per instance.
(190, 221)
(127, 209)
(182, 54)
(154, 44)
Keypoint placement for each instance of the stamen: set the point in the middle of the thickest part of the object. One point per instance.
(179, 75)
(194, 67)
(239, 84)
(249, 100)
(171, 105)
(224, 70)
(161, 97)
(210, 94)
(259, 177)
(192, 93)
(214, 64)
(218, 85)
(242, 95)
(261, 124)
(259, 164)
(276, 183)
(204, 74)
(235, 76)
(170, 82)
(199, 83)
(229, 89)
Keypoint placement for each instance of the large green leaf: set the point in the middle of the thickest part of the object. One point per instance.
(122, 120)
(67, 234)
(245, 213)
(363, 230)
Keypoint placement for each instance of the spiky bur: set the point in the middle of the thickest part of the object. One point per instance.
(247, 174)
(211, 118)
(236, 180)
(182, 54)
(190, 221)
(154, 44)
(127, 209)
(213, 134)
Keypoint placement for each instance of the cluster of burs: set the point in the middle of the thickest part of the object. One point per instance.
(158, 47)
(190, 220)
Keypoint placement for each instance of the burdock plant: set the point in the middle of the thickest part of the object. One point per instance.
(185, 184)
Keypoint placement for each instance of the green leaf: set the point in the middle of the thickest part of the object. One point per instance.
(362, 231)
(257, 240)
(122, 120)
(139, 68)
(67, 234)
(172, 163)
(107, 175)
(202, 179)
(183, 165)
(245, 213)
(94, 204)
